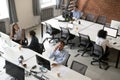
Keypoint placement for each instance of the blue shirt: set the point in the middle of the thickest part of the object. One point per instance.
(59, 56)
(76, 14)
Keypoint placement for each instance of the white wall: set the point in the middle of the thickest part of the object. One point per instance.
(25, 14)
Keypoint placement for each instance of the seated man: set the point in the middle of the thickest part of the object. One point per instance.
(76, 13)
(59, 54)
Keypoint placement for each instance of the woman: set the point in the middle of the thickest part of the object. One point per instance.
(16, 34)
(34, 43)
(102, 41)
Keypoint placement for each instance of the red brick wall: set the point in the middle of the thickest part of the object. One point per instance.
(109, 8)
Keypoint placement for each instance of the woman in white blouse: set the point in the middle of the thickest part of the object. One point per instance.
(102, 41)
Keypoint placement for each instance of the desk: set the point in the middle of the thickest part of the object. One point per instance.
(66, 73)
(87, 28)
(11, 53)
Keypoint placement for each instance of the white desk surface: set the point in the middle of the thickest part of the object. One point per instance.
(11, 53)
(65, 72)
(86, 27)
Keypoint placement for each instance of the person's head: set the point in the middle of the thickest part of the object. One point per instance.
(32, 33)
(15, 27)
(75, 8)
(102, 34)
(61, 45)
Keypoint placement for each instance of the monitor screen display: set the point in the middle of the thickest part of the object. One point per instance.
(70, 25)
(45, 63)
(15, 71)
(111, 31)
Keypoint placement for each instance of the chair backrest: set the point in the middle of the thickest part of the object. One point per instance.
(79, 67)
(66, 61)
(98, 50)
(41, 46)
(101, 20)
(90, 17)
(84, 39)
(49, 29)
(64, 32)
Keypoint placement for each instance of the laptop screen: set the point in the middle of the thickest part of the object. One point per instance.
(111, 31)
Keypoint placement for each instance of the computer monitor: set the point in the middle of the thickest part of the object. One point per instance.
(15, 71)
(41, 61)
(70, 26)
(111, 31)
(115, 24)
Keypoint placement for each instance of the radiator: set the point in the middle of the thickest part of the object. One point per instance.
(2, 27)
(47, 13)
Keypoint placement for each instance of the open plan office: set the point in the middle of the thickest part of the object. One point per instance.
(59, 39)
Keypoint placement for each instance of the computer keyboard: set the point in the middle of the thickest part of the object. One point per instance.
(38, 77)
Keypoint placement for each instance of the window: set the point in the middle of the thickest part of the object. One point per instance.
(46, 3)
(3, 9)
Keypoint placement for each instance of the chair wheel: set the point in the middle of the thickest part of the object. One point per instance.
(91, 63)
(78, 50)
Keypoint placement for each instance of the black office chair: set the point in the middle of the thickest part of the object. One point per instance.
(41, 47)
(85, 42)
(101, 20)
(90, 17)
(52, 32)
(99, 53)
(79, 67)
(66, 61)
(66, 36)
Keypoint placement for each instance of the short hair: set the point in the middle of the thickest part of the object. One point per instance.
(102, 34)
(76, 6)
(62, 42)
(32, 33)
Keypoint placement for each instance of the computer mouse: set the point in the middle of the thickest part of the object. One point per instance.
(115, 43)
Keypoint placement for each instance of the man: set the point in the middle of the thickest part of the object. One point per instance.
(59, 54)
(76, 13)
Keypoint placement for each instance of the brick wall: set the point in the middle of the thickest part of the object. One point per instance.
(109, 8)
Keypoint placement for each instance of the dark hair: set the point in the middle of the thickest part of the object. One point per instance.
(62, 42)
(32, 33)
(13, 29)
(76, 6)
(102, 34)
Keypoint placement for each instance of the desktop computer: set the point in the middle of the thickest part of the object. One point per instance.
(43, 62)
(15, 71)
(111, 31)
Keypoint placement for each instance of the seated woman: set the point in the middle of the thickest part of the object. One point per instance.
(16, 34)
(102, 41)
(34, 43)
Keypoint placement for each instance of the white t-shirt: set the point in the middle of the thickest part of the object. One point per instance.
(102, 42)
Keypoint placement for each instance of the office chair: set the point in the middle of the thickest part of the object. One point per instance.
(41, 47)
(52, 32)
(24, 39)
(90, 17)
(79, 67)
(85, 42)
(101, 20)
(99, 52)
(66, 61)
(66, 36)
